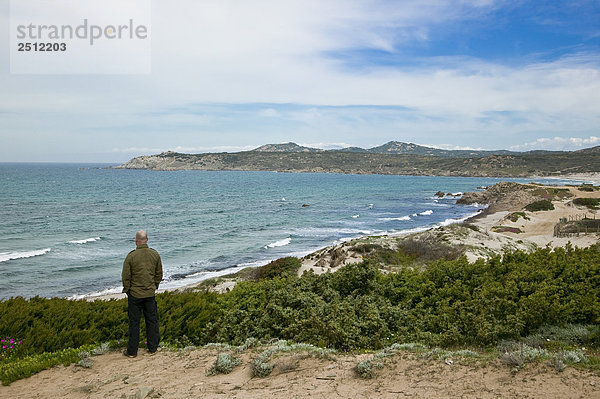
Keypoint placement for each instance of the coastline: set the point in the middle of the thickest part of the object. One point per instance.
(589, 177)
(475, 234)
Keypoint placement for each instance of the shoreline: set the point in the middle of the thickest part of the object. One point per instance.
(535, 232)
(230, 272)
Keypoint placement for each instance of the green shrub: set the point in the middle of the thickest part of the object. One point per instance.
(543, 205)
(364, 368)
(591, 203)
(25, 367)
(448, 303)
(550, 193)
(586, 188)
(430, 249)
(506, 229)
(519, 354)
(224, 364)
(278, 268)
(261, 366)
(513, 217)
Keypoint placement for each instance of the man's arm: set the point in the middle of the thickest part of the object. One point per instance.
(158, 272)
(126, 275)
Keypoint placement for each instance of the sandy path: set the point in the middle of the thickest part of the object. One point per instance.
(183, 375)
(539, 229)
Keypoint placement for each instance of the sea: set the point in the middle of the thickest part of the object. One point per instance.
(66, 228)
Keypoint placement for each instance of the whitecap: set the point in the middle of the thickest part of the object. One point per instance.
(402, 218)
(477, 205)
(108, 291)
(326, 232)
(6, 256)
(408, 231)
(426, 213)
(355, 216)
(457, 220)
(84, 241)
(279, 243)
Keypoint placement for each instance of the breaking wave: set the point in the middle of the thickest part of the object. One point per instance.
(279, 243)
(84, 241)
(6, 256)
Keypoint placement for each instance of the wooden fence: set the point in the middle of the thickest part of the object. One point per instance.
(574, 225)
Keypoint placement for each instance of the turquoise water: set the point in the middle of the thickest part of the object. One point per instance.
(67, 227)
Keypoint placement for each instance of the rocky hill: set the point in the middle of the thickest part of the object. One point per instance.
(396, 147)
(392, 147)
(290, 157)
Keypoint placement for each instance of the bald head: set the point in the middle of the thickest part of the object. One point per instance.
(141, 237)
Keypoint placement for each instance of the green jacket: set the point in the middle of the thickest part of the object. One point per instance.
(142, 272)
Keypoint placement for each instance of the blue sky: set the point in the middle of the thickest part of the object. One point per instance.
(233, 75)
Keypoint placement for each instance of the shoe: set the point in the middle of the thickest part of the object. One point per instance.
(125, 353)
(153, 352)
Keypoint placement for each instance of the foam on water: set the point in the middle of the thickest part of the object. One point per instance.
(85, 241)
(280, 243)
(6, 256)
(401, 218)
(450, 221)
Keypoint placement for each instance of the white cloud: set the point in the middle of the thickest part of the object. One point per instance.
(268, 113)
(452, 147)
(327, 146)
(140, 150)
(559, 143)
(223, 53)
(184, 149)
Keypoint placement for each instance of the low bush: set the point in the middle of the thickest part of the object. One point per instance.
(550, 193)
(588, 187)
(591, 203)
(506, 229)
(513, 217)
(261, 366)
(17, 369)
(543, 205)
(278, 268)
(448, 303)
(224, 364)
(428, 250)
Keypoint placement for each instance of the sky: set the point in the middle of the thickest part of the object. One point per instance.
(233, 75)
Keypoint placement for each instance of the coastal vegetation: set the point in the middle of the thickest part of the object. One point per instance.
(588, 188)
(591, 203)
(392, 158)
(506, 229)
(448, 304)
(514, 216)
(542, 205)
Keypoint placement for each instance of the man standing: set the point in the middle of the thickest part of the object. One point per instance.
(142, 273)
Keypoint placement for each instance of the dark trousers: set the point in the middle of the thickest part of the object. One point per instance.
(135, 307)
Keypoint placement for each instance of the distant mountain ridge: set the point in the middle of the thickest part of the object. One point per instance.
(391, 158)
(392, 147)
